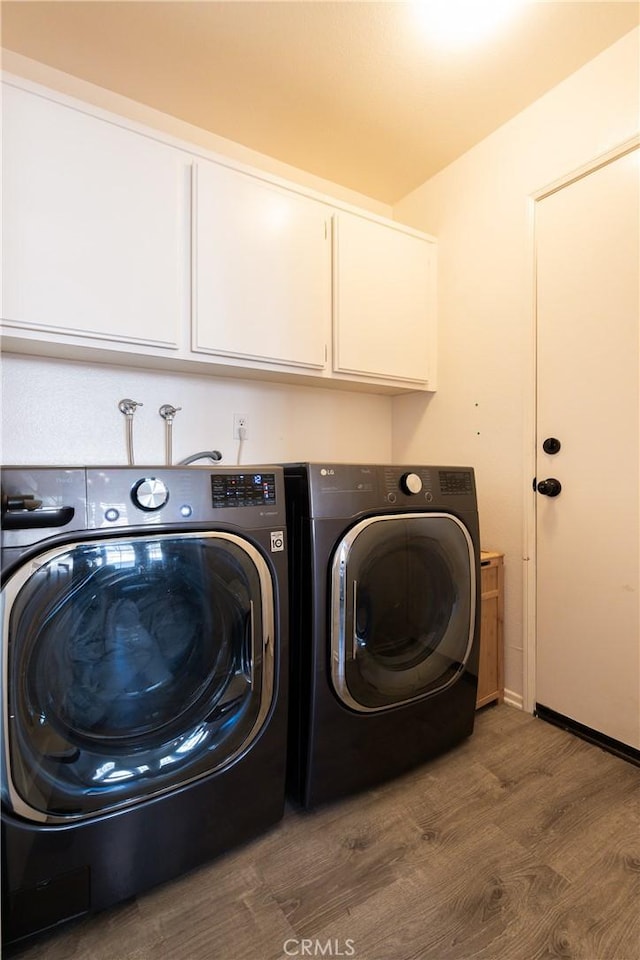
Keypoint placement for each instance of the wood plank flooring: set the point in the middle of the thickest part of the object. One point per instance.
(523, 843)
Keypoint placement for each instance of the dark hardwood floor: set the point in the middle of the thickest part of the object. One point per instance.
(523, 843)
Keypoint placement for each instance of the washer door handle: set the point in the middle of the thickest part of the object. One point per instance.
(37, 519)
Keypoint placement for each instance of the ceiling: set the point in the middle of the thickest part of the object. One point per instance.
(356, 92)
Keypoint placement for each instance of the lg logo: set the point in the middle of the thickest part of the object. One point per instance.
(327, 472)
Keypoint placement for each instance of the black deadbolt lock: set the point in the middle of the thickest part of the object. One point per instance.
(551, 445)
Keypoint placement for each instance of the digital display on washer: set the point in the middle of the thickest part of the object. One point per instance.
(455, 482)
(243, 489)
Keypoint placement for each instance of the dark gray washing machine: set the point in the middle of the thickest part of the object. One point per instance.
(384, 624)
(144, 631)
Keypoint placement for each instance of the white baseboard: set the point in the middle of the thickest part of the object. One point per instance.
(514, 699)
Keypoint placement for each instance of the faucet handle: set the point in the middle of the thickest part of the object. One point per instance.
(167, 411)
(128, 407)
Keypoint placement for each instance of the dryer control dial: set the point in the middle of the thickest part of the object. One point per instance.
(150, 494)
(411, 483)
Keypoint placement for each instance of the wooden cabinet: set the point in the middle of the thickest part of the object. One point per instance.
(262, 270)
(491, 664)
(384, 324)
(95, 230)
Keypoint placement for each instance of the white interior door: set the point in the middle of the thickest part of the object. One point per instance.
(588, 624)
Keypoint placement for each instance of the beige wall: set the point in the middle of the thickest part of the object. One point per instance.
(480, 209)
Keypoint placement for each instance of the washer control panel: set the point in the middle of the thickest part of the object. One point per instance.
(243, 489)
(43, 502)
(150, 494)
(251, 497)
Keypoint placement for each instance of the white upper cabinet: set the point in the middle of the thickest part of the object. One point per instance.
(262, 270)
(384, 323)
(94, 226)
(121, 244)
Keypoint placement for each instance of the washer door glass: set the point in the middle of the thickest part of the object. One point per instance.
(133, 666)
(403, 609)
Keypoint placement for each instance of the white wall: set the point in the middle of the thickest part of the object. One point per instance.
(58, 412)
(480, 209)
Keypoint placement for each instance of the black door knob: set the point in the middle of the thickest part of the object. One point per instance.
(551, 445)
(550, 487)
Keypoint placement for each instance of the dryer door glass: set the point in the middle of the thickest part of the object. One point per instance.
(134, 665)
(403, 605)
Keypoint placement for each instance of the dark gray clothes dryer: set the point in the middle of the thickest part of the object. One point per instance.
(384, 622)
(144, 626)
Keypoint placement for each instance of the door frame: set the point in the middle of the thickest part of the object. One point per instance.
(529, 566)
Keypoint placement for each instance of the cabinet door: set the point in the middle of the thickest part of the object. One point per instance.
(262, 270)
(94, 225)
(384, 321)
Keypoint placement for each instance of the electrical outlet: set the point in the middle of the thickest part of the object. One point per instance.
(240, 422)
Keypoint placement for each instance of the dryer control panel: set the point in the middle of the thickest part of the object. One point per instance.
(341, 489)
